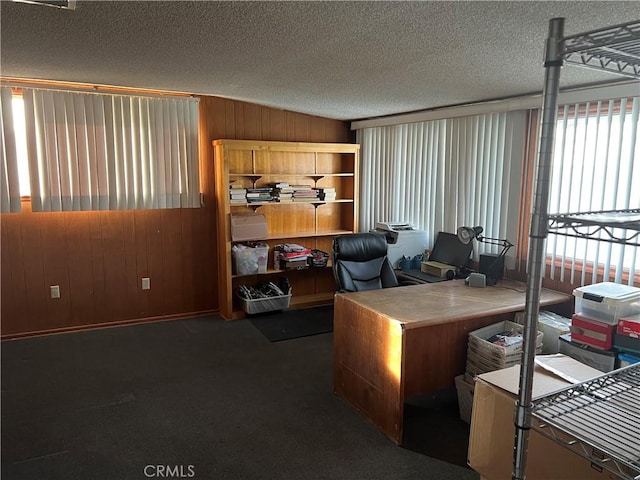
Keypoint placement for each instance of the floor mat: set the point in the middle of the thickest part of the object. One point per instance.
(294, 323)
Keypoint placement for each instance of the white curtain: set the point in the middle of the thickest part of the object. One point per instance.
(111, 152)
(10, 196)
(595, 167)
(442, 174)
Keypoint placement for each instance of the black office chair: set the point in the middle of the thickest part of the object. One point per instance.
(360, 263)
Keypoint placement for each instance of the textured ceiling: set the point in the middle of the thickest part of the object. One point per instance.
(343, 60)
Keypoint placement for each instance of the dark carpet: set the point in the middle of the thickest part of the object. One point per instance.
(199, 398)
(432, 426)
(292, 324)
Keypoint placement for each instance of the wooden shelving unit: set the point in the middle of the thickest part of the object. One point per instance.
(312, 223)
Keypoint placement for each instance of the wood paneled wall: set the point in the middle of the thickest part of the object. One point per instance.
(99, 258)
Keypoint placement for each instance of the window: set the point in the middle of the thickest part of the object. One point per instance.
(94, 151)
(443, 174)
(9, 175)
(21, 143)
(596, 166)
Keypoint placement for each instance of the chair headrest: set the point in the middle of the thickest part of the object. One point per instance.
(359, 247)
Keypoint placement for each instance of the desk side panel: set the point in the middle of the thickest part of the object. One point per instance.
(367, 361)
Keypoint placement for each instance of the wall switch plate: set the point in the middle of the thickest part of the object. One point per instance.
(146, 283)
(55, 291)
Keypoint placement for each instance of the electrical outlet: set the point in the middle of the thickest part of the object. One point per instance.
(146, 283)
(55, 291)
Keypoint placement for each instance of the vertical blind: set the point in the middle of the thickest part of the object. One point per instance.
(92, 151)
(442, 174)
(595, 168)
(10, 189)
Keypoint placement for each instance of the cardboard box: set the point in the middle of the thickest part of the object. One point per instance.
(438, 269)
(248, 227)
(464, 391)
(479, 340)
(491, 440)
(629, 326)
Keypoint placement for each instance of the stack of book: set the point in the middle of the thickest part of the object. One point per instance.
(327, 194)
(237, 194)
(261, 194)
(291, 256)
(282, 192)
(304, 193)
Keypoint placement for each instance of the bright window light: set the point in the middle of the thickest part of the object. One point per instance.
(21, 145)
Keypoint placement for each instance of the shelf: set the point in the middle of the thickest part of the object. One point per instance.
(297, 302)
(614, 226)
(273, 271)
(323, 233)
(315, 202)
(291, 174)
(598, 420)
(613, 49)
(302, 234)
(304, 301)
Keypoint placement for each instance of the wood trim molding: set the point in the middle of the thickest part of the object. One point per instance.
(95, 326)
(87, 87)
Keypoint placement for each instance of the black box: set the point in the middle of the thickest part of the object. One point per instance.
(492, 265)
(625, 341)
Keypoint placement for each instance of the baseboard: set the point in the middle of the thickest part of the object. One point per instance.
(95, 326)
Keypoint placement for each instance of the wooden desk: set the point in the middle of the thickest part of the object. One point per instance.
(395, 343)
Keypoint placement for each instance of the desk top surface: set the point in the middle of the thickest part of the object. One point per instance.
(443, 302)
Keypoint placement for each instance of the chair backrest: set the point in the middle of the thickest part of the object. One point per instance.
(360, 263)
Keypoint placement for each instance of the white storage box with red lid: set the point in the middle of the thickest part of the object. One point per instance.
(607, 301)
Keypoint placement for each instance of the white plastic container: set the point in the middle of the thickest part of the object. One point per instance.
(251, 258)
(552, 325)
(607, 301)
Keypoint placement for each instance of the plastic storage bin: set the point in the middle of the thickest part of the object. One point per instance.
(625, 359)
(552, 326)
(607, 301)
(250, 258)
(602, 360)
(262, 305)
(592, 332)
